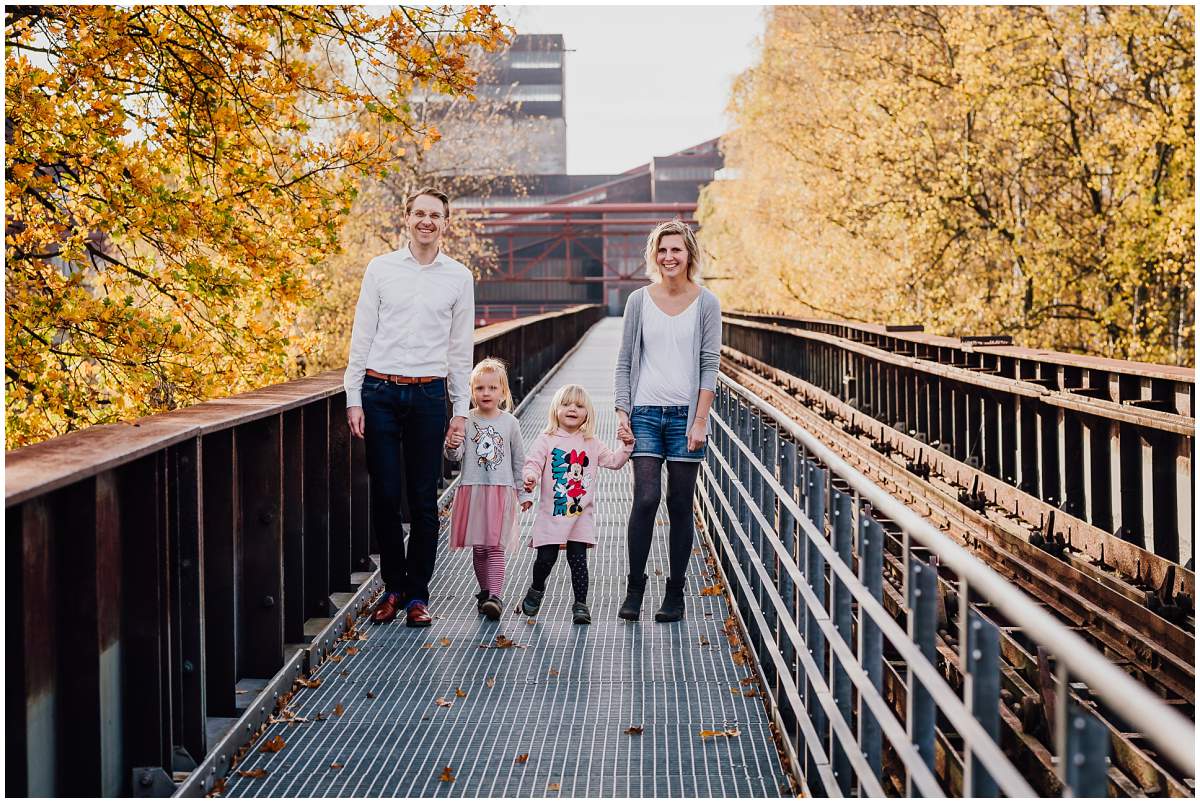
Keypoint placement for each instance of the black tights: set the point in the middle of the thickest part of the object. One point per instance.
(647, 492)
(577, 561)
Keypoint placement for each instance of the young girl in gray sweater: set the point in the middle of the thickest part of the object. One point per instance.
(484, 515)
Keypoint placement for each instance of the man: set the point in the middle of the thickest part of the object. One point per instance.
(412, 344)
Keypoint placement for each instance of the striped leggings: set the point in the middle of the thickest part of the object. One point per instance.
(489, 568)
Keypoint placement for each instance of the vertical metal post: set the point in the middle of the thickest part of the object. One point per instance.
(815, 576)
(982, 694)
(753, 529)
(1086, 761)
(770, 458)
(787, 534)
(870, 638)
(842, 536)
(922, 630)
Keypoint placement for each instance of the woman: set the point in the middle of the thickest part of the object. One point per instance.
(665, 378)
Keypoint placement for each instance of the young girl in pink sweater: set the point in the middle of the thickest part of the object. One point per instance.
(562, 460)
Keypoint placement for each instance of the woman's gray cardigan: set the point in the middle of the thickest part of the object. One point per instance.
(706, 350)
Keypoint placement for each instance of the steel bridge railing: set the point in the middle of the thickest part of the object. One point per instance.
(806, 544)
(153, 567)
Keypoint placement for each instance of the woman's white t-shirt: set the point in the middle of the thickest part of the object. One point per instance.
(664, 377)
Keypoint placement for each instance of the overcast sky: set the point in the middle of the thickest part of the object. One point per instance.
(644, 81)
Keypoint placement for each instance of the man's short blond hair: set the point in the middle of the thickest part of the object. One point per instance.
(432, 191)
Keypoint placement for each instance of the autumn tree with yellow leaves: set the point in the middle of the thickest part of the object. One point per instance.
(173, 173)
(976, 169)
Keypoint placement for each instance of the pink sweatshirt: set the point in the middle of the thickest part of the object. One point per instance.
(564, 465)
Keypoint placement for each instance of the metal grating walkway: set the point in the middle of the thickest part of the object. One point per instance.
(564, 700)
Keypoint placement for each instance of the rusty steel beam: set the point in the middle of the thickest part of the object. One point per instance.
(1095, 544)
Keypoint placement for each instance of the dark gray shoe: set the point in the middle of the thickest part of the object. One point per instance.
(671, 609)
(581, 614)
(491, 608)
(532, 602)
(631, 608)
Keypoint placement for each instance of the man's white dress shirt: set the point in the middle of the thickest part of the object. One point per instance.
(414, 320)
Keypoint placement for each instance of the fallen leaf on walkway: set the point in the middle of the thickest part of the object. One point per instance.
(218, 788)
(337, 659)
(531, 621)
(635, 730)
(344, 673)
(748, 681)
(255, 773)
(273, 745)
(309, 684)
(445, 642)
(521, 759)
(503, 642)
(352, 651)
(711, 591)
(751, 693)
(553, 787)
(427, 645)
(370, 695)
(704, 641)
(741, 657)
(447, 775)
(320, 717)
(459, 693)
(727, 733)
(444, 703)
(490, 682)
(335, 766)
(339, 709)
(658, 572)
(553, 672)
(735, 690)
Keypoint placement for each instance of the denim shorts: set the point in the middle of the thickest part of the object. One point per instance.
(662, 432)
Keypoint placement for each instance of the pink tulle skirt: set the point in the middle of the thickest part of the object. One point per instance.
(483, 515)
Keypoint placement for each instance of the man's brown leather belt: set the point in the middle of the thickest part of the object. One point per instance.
(403, 380)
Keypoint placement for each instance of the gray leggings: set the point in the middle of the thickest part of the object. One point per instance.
(647, 492)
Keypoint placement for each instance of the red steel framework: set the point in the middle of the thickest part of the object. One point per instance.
(542, 228)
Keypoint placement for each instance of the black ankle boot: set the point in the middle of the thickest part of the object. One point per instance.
(631, 608)
(671, 609)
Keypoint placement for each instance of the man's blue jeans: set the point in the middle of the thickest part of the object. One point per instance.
(405, 432)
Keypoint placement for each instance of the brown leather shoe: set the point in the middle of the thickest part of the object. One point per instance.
(387, 609)
(418, 615)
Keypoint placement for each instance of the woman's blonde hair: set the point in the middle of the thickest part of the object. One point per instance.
(689, 243)
(569, 394)
(497, 367)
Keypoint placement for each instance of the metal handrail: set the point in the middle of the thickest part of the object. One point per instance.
(1164, 727)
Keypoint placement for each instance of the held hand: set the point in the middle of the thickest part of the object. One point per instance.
(625, 436)
(526, 505)
(456, 432)
(530, 484)
(696, 435)
(357, 421)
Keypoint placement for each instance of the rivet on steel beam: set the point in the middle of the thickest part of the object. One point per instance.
(145, 780)
(186, 563)
(1078, 723)
(976, 655)
(268, 601)
(265, 517)
(1078, 759)
(188, 668)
